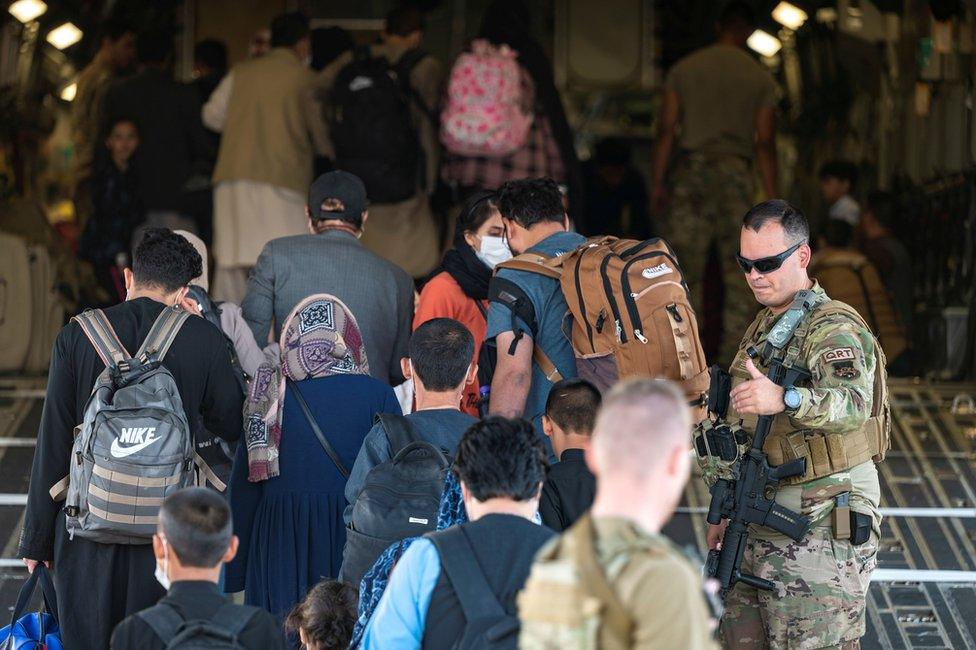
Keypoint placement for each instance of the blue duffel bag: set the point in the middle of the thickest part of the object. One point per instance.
(39, 629)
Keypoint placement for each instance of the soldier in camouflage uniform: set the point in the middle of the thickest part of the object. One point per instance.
(838, 423)
(724, 102)
(612, 581)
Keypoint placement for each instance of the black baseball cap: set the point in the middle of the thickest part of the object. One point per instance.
(342, 186)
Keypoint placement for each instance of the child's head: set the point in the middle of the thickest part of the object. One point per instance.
(122, 140)
(570, 413)
(837, 179)
(325, 619)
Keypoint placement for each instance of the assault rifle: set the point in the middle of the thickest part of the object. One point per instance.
(748, 497)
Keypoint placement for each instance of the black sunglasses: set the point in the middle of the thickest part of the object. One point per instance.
(766, 264)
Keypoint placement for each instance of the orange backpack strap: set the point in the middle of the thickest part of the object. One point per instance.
(534, 263)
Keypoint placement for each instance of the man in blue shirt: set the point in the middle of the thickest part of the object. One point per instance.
(440, 366)
(535, 222)
(500, 465)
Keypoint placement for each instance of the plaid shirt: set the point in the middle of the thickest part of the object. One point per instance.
(539, 157)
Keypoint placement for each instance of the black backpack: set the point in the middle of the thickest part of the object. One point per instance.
(372, 128)
(220, 632)
(400, 498)
(216, 452)
(487, 624)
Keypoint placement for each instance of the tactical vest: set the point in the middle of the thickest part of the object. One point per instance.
(826, 453)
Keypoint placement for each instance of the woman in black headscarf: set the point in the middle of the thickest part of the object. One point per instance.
(459, 288)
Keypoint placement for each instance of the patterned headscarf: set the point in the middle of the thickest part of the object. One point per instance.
(320, 338)
(374, 582)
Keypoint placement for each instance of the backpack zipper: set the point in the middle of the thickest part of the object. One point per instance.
(582, 304)
(673, 310)
(608, 289)
(629, 296)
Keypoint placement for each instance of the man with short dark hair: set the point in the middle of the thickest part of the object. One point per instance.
(440, 365)
(836, 419)
(837, 181)
(171, 136)
(194, 539)
(100, 584)
(272, 126)
(719, 112)
(332, 260)
(568, 423)
(404, 230)
(535, 222)
(500, 465)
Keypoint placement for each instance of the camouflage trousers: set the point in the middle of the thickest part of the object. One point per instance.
(710, 195)
(820, 596)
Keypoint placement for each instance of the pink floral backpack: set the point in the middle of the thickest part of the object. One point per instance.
(485, 111)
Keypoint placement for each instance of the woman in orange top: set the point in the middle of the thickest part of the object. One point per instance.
(459, 289)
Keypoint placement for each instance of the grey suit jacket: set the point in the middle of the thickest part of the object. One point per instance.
(379, 293)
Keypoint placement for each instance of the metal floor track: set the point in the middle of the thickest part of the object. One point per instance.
(913, 603)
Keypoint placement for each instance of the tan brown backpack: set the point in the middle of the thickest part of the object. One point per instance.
(632, 316)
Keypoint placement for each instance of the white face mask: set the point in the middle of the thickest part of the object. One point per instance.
(161, 568)
(493, 251)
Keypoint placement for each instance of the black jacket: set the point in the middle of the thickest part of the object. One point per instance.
(197, 600)
(504, 547)
(568, 491)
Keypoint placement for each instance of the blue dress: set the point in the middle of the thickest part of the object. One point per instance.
(290, 527)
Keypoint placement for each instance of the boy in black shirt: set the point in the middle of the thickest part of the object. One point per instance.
(194, 539)
(568, 422)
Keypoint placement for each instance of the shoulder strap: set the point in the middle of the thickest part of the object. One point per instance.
(163, 333)
(399, 431)
(510, 294)
(462, 569)
(164, 619)
(96, 327)
(535, 263)
(326, 445)
(234, 618)
(615, 616)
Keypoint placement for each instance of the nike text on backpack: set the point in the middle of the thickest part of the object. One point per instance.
(372, 127)
(220, 632)
(487, 624)
(486, 113)
(134, 446)
(631, 313)
(400, 498)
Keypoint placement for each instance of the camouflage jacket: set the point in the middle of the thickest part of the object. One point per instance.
(655, 586)
(841, 358)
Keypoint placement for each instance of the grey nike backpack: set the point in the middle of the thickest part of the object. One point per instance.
(134, 446)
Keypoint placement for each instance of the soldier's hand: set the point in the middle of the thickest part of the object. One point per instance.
(757, 396)
(714, 535)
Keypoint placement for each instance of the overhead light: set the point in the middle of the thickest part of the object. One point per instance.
(69, 91)
(764, 43)
(826, 15)
(64, 36)
(789, 15)
(27, 10)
